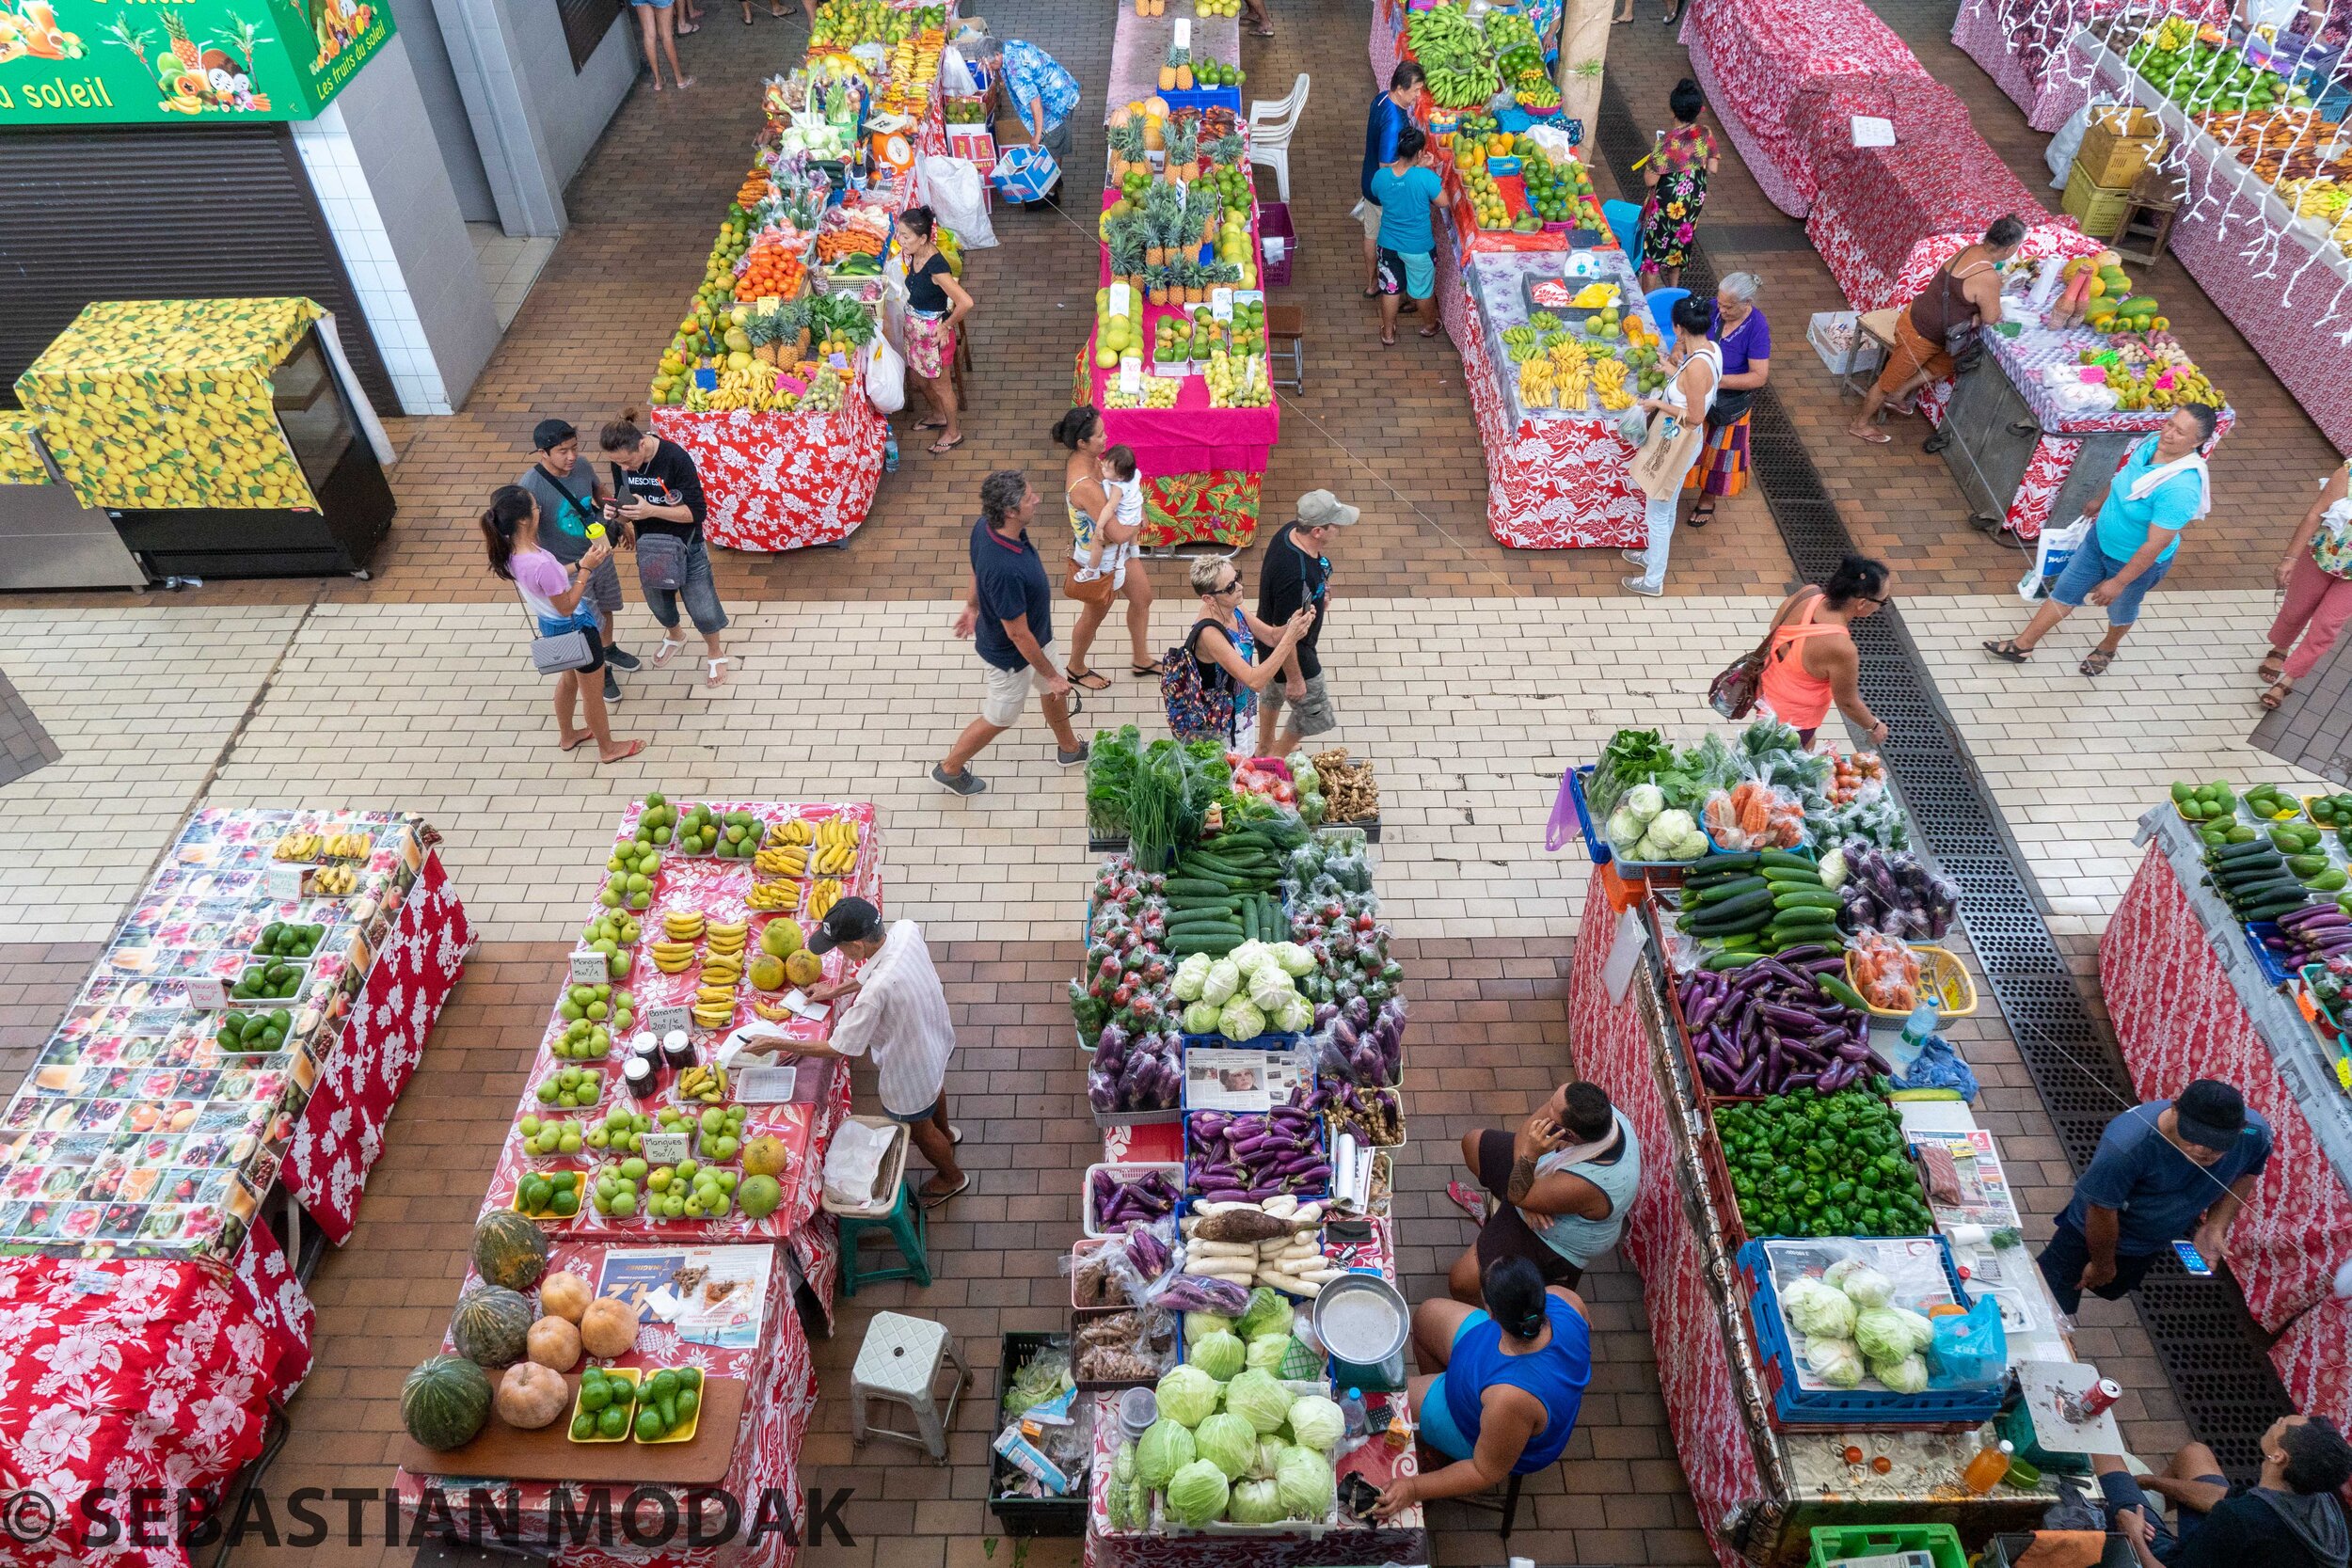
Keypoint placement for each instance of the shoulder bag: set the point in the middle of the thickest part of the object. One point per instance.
(1100, 589)
(561, 653)
(1734, 692)
(661, 562)
(1196, 711)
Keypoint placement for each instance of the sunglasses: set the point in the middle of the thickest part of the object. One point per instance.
(1233, 587)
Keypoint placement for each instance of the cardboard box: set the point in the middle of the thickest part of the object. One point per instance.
(2116, 145)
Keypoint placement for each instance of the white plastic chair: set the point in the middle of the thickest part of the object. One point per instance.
(1271, 122)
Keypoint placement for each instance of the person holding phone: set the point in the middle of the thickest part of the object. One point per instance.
(657, 493)
(552, 593)
(1560, 1185)
(571, 502)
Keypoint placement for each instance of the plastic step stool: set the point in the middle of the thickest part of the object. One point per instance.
(907, 1224)
(899, 1362)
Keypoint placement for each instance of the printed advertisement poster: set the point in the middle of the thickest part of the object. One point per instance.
(114, 62)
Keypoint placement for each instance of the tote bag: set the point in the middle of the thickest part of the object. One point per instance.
(1666, 453)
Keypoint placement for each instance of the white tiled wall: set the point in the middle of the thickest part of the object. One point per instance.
(353, 218)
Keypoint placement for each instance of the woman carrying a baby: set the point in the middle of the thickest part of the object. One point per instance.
(1104, 497)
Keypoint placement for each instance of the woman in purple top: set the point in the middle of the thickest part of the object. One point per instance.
(551, 593)
(1740, 328)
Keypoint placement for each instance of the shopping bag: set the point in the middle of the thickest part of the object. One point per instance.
(2059, 154)
(2052, 551)
(1024, 173)
(955, 77)
(885, 376)
(1665, 456)
(952, 186)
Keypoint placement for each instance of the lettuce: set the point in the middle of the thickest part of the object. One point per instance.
(1221, 982)
(1307, 1484)
(1644, 801)
(1229, 1442)
(1817, 1311)
(1268, 1312)
(1256, 1502)
(1908, 1375)
(1187, 1396)
(1889, 1334)
(1197, 1493)
(1164, 1448)
(1865, 1284)
(1218, 1354)
(1835, 1362)
(1318, 1423)
(1241, 1019)
(1256, 1396)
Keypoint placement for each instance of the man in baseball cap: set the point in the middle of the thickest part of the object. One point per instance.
(2165, 1170)
(1297, 575)
(892, 1007)
(570, 498)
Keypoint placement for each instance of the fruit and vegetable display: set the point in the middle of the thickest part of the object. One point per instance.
(1743, 905)
(1247, 1158)
(1243, 1448)
(846, 23)
(1890, 890)
(1806, 1163)
(1520, 60)
(1849, 1328)
(1456, 56)
(1646, 795)
(2202, 71)
(1786, 1022)
(1118, 1205)
(1273, 1246)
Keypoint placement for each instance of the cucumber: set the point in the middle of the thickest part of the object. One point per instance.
(1754, 921)
(2253, 848)
(1208, 923)
(1278, 925)
(1177, 888)
(1783, 857)
(1714, 865)
(1807, 898)
(1758, 900)
(1717, 892)
(1728, 959)
(1249, 920)
(1839, 991)
(2271, 909)
(1181, 948)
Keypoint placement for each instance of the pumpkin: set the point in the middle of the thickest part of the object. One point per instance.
(510, 1250)
(530, 1395)
(607, 1328)
(554, 1343)
(491, 1325)
(564, 1295)
(445, 1401)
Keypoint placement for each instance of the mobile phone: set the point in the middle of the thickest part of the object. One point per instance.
(2192, 1260)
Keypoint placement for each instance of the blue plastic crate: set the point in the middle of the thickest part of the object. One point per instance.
(1205, 98)
(2274, 968)
(1794, 1405)
(1595, 845)
(1322, 1145)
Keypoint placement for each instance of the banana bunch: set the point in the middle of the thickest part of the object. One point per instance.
(777, 897)
(1609, 378)
(837, 846)
(297, 846)
(345, 847)
(1569, 353)
(794, 833)
(1538, 389)
(333, 881)
(673, 958)
(726, 939)
(685, 926)
(722, 971)
(1521, 343)
(706, 1084)
(822, 897)
(774, 1012)
(779, 860)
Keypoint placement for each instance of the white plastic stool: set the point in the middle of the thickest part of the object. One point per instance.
(900, 1360)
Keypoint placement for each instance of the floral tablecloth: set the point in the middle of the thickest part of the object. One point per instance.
(124, 1374)
(2173, 972)
(1140, 47)
(762, 1479)
(2310, 1359)
(783, 481)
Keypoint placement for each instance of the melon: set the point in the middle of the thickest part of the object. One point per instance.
(491, 1327)
(554, 1343)
(758, 1197)
(765, 1155)
(530, 1395)
(565, 1296)
(804, 969)
(509, 1250)
(607, 1328)
(445, 1401)
(767, 973)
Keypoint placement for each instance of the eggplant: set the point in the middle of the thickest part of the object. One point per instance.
(1789, 1017)
(1799, 1080)
(1801, 1054)
(1719, 1077)
(1749, 1079)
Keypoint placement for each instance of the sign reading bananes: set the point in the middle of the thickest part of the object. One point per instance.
(98, 62)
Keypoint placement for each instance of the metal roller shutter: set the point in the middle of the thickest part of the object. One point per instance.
(140, 213)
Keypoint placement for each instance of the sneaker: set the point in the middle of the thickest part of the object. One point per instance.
(1637, 586)
(1639, 558)
(1071, 759)
(622, 660)
(966, 782)
(611, 687)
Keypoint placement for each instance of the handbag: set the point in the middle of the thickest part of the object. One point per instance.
(1730, 408)
(1195, 710)
(661, 562)
(559, 653)
(1099, 589)
(1734, 692)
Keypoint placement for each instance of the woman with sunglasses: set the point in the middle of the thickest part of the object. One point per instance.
(1223, 646)
(1809, 657)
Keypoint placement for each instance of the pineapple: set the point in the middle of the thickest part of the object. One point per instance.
(1176, 76)
(1225, 152)
(1126, 145)
(759, 330)
(1183, 150)
(1127, 258)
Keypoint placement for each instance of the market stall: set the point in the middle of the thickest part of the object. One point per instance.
(764, 382)
(667, 1154)
(1244, 1031)
(2022, 45)
(1743, 1006)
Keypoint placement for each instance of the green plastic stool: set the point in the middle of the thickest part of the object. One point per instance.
(907, 1225)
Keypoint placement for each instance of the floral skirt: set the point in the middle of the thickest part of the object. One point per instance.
(930, 345)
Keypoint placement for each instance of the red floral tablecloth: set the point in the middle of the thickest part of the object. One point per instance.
(342, 1131)
(762, 1479)
(2310, 1360)
(2177, 1016)
(783, 481)
(1861, 266)
(127, 1373)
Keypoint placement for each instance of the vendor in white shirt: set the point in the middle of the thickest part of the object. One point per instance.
(894, 1011)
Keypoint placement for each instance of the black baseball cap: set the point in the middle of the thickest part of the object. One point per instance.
(2210, 1114)
(547, 434)
(850, 920)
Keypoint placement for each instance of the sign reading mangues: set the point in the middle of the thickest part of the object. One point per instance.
(111, 62)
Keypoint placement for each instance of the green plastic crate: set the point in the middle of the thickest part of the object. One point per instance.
(2017, 1426)
(1835, 1543)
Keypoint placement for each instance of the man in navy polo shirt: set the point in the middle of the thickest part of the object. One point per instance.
(1009, 616)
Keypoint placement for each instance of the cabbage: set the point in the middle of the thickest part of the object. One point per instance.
(1223, 980)
(1817, 1311)
(1296, 1016)
(1644, 801)
(1835, 1362)
(1227, 1442)
(1241, 1019)
(1164, 1448)
(1248, 956)
(1218, 1354)
(1200, 1018)
(1833, 869)
(1670, 827)
(1197, 1493)
(1256, 1502)
(1267, 1350)
(1198, 1324)
(1186, 1395)
(1888, 1334)
(1307, 1484)
(1865, 1284)
(1258, 1397)
(1268, 1312)
(1908, 1375)
(1189, 974)
(1316, 1422)
(1269, 1454)
(1295, 960)
(1623, 830)
(1304, 777)
(1270, 987)
(1922, 1331)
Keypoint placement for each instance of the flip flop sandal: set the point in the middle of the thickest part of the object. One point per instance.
(1876, 437)
(1146, 672)
(930, 424)
(2007, 648)
(687, 32)
(932, 1200)
(1429, 331)
(955, 1134)
(630, 750)
(1372, 293)
(1092, 680)
(940, 449)
(1469, 1202)
(667, 652)
(718, 676)
(1701, 517)
(2095, 662)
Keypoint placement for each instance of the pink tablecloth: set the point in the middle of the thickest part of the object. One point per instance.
(1872, 275)
(1140, 47)
(135, 1372)
(783, 481)
(2178, 1018)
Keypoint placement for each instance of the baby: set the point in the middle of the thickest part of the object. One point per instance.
(1126, 488)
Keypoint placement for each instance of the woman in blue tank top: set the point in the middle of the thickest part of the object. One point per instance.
(1502, 1387)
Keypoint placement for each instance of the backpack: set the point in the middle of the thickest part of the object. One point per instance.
(1195, 711)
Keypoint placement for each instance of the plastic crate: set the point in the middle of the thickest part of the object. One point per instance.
(1030, 1516)
(1794, 1405)
(1203, 98)
(1124, 1173)
(2098, 209)
(2274, 968)
(1837, 1542)
(1274, 223)
(1860, 354)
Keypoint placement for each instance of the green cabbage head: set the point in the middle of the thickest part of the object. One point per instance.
(1305, 1479)
(1186, 1395)
(1197, 1493)
(1258, 1398)
(1256, 1502)
(1218, 1354)
(1318, 1423)
(1164, 1448)
(1229, 1442)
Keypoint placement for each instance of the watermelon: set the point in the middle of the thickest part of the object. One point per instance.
(509, 1250)
(491, 1327)
(445, 1401)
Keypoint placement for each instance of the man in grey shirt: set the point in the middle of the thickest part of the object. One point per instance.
(570, 498)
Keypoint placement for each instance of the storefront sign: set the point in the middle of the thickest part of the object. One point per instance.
(116, 62)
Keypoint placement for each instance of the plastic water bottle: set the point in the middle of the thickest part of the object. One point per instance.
(1352, 1408)
(1917, 1030)
(890, 454)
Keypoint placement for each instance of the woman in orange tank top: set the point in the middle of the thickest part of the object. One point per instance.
(1809, 658)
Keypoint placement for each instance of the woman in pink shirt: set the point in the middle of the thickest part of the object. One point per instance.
(551, 594)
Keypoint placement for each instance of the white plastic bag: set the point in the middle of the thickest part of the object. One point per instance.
(955, 77)
(2052, 551)
(853, 1162)
(953, 188)
(2059, 154)
(885, 376)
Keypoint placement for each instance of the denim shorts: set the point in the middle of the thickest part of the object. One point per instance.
(2090, 567)
(2122, 1491)
(696, 588)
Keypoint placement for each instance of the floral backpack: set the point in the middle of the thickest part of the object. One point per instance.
(1196, 711)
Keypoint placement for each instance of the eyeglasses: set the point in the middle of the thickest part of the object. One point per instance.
(1233, 587)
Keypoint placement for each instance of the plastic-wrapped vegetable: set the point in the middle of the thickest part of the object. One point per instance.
(1270, 987)
(1295, 960)
(1885, 1333)
(1835, 1362)
(1908, 1375)
(1247, 957)
(1296, 1016)
(1124, 1500)
(1189, 975)
(1817, 1310)
(1865, 1285)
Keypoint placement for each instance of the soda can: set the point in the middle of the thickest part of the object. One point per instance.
(2100, 1396)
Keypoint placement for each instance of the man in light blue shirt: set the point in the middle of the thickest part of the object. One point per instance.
(2161, 488)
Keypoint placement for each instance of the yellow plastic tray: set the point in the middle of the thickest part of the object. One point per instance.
(630, 1375)
(1943, 980)
(683, 1433)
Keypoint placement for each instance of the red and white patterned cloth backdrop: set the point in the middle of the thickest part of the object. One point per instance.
(1820, 119)
(2310, 1359)
(783, 481)
(2178, 1018)
(128, 1374)
(1752, 56)
(1861, 267)
(1387, 40)
(1610, 1047)
(342, 1131)
(765, 1464)
(1551, 484)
